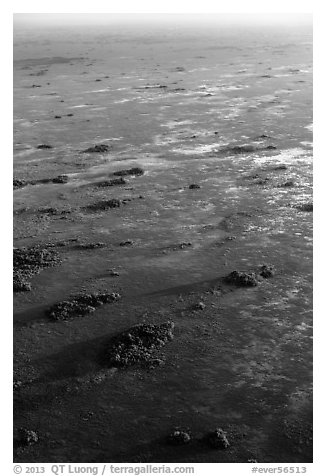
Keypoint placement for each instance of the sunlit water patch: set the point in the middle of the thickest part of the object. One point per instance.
(78, 106)
(287, 156)
(199, 149)
(307, 144)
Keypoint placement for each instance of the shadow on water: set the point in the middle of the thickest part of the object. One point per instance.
(75, 360)
(57, 372)
(198, 286)
(32, 314)
(159, 450)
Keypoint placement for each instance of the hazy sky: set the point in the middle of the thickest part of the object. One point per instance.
(48, 19)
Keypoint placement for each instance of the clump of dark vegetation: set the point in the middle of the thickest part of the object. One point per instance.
(241, 279)
(53, 211)
(267, 271)
(90, 246)
(271, 147)
(194, 185)
(30, 261)
(305, 207)
(217, 439)
(17, 183)
(179, 436)
(113, 273)
(97, 148)
(57, 117)
(280, 167)
(177, 247)
(264, 136)
(262, 181)
(22, 183)
(241, 149)
(247, 148)
(132, 171)
(44, 146)
(60, 179)
(158, 86)
(61, 243)
(17, 384)
(288, 183)
(199, 306)
(80, 305)
(27, 437)
(126, 243)
(139, 344)
(39, 73)
(112, 183)
(20, 282)
(104, 204)
(183, 245)
(225, 240)
(31, 257)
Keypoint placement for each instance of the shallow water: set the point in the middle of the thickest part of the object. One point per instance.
(244, 362)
